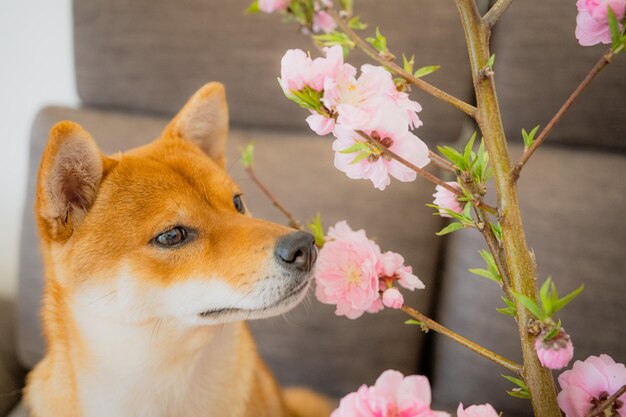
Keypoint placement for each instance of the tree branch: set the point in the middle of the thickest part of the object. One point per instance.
(599, 66)
(495, 13)
(486, 353)
(292, 220)
(395, 68)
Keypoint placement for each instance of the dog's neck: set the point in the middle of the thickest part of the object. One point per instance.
(156, 369)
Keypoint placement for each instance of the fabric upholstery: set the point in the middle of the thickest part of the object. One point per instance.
(310, 346)
(19, 411)
(575, 227)
(11, 374)
(539, 64)
(150, 55)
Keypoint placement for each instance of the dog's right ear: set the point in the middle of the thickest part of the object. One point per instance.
(69, 177)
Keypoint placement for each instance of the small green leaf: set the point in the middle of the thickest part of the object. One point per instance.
(530, 305)
(544, 295)
(415, 322)
(379, 42)
(491, 61)
(497, 230)
(253, 8)
(356, 24)
(467, 153)
(615, 30)
(424, 71)
(315, 226)
(519, 382)
(529, 138)
(562, 302)
(346, 5)
(333, 39)
(247, 155)
(358, 146)
(553, 332)
(361, 156)
(519, 393)
(509, 309)
(407, 64)
(453, 156)
(485, 273)
(452, 227)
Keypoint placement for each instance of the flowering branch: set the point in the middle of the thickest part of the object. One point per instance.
(291, 219)
(599, 66)
(520, 264)
(486, 353)
(395, 68)
(441, 162)
(601, 408)
(495, 13)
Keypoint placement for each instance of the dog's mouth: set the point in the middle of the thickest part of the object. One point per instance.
(287, 299)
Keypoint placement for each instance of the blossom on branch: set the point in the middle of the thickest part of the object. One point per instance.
(484, 410)
(555, 352)
(592, 22)
(393, 394)
(590, 383)
(270, 6)
(352, 273)
(446, 199)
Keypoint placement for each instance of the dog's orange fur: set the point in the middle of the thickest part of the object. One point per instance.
(109, 298)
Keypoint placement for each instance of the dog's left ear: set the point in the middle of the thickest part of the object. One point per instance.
(204, 121)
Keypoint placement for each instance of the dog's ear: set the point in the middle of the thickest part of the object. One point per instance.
(69, 177)
(204, 121)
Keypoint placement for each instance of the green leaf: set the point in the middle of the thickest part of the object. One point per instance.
(530, 305)
(356, 24)
(544, 295)
(424, 71)
(529, 138)
(453, 156)
(315, 226)
(519, 393)
(510, 309)
(467, 153)
(615, 30)
(522, 389)
(379, 42)
(497, 230)
(415, 322)
(488, 258)
(485, 273)
(333, 39)
(407, 64)
(247, 155)
(519, 382)
(553, 332)
(562, 302)
(253, 8)
(358, 146)
(361, 156)
(346, 5)
(491, 61)
(452, 227)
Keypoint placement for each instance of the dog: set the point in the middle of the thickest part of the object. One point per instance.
(152, 267)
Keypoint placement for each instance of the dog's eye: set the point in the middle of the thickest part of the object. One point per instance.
(172, 237)
(238, 202)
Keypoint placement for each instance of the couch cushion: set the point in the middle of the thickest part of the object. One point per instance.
(19, 411)
(311, 346)
(150, 55)
(11, 373)
(574, 223)
(536, 73)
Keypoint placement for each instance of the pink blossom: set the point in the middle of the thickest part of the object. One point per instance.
(589, 383)
(299, 70)
(392, 395)
(556, 352)
(320, 124)
(392, 298)
(379, 168)
(592, 22)
(346, 271)
(484, 410)
(323, 22)
(391, 265)
(446, 199)
(270, 6)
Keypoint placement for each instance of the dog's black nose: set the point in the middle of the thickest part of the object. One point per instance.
(296, 250)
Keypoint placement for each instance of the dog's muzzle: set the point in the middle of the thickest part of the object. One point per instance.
(296, 251)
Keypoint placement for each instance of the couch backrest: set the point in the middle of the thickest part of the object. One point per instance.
(150, 55)
(539, 63)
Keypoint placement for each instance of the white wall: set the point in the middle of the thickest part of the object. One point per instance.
(36, 68)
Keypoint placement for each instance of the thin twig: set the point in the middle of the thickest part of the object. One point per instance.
(599, 409)
(441, 162)
(486, 353)
(292, 220)
(495, 13)
(419, 83)
(599, 66)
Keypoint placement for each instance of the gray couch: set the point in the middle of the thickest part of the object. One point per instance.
(137, 62)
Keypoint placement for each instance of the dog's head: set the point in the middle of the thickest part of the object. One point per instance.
(161, 231)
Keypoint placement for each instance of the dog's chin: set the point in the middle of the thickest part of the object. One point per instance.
(287, 302)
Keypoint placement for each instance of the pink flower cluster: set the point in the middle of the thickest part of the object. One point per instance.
(369, 103)
(556, 352)
(352, 272)
(446, 199)
(592, 22)
(322, 21)
(392, 395)
(483, 410)
(590, 383)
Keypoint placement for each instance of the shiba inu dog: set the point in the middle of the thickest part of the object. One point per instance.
(152, 267)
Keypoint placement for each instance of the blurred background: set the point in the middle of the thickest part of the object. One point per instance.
(123, 68)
